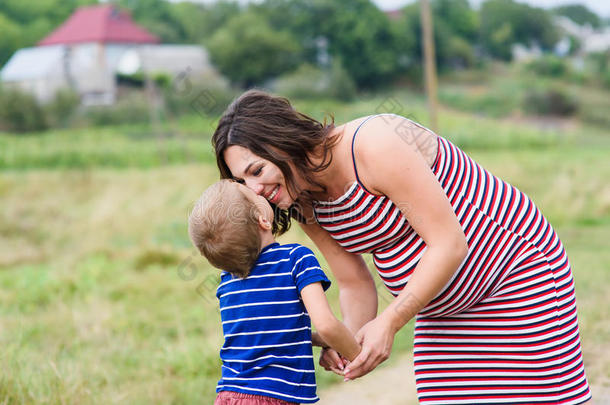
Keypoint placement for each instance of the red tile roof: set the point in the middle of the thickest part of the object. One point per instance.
(103, 23)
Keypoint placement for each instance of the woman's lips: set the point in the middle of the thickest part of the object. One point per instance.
(274, 198)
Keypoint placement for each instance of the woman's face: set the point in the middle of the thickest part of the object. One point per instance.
(259, 175)
(261, 204)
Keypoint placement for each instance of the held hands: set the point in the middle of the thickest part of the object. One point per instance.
(332, 361)
(329, 358)
(376, 338)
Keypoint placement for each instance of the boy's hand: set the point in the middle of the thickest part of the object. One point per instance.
(332, 361)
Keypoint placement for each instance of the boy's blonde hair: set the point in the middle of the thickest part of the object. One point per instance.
(224, 227)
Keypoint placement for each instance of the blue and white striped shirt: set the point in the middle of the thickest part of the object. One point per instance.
(267, 331)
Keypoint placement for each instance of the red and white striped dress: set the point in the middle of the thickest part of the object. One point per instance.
(504, 329)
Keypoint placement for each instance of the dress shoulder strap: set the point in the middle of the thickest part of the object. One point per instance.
(353, 156)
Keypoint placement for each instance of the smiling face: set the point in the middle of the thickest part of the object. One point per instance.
(258, 127)
(261, 176)
(262, 205)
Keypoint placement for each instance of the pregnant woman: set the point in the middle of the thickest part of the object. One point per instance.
(467, 254)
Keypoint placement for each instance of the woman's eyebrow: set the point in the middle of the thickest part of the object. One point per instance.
(250, 165)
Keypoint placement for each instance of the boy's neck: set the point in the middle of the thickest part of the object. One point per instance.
(266, 239)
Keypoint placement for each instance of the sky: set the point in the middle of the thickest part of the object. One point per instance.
(601, 7)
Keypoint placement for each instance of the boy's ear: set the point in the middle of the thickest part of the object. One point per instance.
(264, 223)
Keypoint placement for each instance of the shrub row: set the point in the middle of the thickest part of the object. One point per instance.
(20, 112)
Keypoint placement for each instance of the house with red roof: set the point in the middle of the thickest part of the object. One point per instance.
(89, 50)
(102, 24)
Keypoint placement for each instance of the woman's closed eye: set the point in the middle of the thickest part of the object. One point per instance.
(258, 171)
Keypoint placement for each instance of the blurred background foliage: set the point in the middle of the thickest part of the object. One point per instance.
(329, 49)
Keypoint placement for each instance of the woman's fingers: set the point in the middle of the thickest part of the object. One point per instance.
(376, 343)
(359, 336)
(353, 368)
(364, 365)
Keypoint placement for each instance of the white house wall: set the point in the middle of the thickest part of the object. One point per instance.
(92, 68)
(94, 82)
(114, 53)
(175, 59)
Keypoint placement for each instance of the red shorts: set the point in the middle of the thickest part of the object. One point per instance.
(237, 398)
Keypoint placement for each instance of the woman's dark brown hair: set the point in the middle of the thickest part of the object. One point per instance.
(272, 129)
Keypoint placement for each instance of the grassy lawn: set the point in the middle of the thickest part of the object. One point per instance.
(103, 299)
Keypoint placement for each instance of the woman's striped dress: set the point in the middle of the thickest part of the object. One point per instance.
(504, 329)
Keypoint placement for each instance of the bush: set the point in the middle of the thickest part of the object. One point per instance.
(342, 86)
(549, 102)
(461, 54)
(606, 79)
(159, 258)
(493, 103)
(130, 109)
(309, 82)
(135, 80)
(594, 108)
(62, 108)
(20, 112)
(596, 114)
(162, 79)
(599, 61)
(138, 79)
(549, 65)
(208, 96)
(305, 82)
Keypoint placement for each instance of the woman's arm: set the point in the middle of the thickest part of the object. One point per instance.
(332, 332)
(405, 177)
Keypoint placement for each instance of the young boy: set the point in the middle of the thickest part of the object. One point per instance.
(268, 294)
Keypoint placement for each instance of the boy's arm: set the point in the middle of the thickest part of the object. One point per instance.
(317, 340)
(331, 331)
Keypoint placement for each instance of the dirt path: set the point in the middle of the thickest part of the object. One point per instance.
(391, 385)
(395, 385)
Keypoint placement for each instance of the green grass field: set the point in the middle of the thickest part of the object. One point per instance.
(104, 300)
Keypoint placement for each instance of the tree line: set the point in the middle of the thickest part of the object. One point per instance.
(253, 43)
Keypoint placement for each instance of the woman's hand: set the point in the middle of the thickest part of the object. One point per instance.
(332, 361)
(376, 338)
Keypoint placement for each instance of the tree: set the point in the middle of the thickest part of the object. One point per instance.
(25, 23)
(354, 31)
(458, 17)
(200, 21)
(304, 19)
(249, 51)
(182, 22)
(360, 35)
(10, 39)
(156, 16)
(506, 22)
(580, 14)
(456, 28)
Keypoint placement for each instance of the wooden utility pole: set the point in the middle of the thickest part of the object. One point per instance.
(429, 63)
